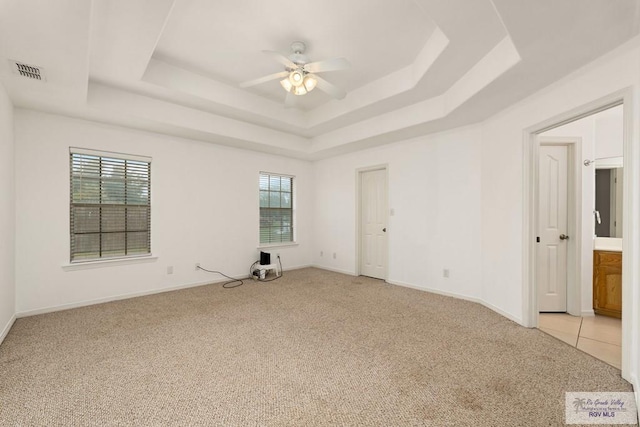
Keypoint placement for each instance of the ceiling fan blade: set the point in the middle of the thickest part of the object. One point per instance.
(265, 79)
(330, 88)
(281, 58)
(290, 100)
(334, 64)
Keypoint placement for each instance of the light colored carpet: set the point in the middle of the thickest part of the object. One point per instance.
(314, 348)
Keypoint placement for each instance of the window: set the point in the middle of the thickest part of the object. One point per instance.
(276, 208)
(110, 205)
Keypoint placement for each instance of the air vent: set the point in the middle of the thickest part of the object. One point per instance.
(28, 71)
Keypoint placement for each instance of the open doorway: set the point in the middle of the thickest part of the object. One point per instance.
(579, 228)
(531, 158)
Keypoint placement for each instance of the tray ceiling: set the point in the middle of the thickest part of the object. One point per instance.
(173, 66)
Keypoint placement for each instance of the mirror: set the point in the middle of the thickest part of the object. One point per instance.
(608, 209)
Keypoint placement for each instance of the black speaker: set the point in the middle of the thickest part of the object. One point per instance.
(265, 258)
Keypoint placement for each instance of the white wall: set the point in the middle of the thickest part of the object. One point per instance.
(434, 190)
(609, 133)
(503, 178)
(7, 215)
(204, 209)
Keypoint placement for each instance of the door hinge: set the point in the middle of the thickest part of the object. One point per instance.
(538, 239)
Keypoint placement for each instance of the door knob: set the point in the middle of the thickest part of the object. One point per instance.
(564, 237)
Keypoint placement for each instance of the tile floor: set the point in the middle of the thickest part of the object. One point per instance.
(600, 336)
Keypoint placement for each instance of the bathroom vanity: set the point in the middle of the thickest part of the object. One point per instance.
(607, 283)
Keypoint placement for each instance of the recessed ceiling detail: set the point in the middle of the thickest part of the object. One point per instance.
(175, 66)
(377, 36)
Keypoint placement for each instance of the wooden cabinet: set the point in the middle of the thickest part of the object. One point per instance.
(607, 283)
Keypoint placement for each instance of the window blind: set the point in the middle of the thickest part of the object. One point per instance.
(110, 206)
(276, 208)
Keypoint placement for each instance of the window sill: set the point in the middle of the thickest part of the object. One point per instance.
(277, 245)
(85, 265)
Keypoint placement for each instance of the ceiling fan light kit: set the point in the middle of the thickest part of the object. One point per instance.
(286, 84)
(299, 83)
(299, 90)
(296, 77)
(299, 75)
(310, 83)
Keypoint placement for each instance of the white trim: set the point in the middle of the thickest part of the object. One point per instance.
(7, 328)
(502, 312)
(434, 291)
(86, 265)
(630, 233)
(113, 154)
(630, 237)
(587, 313)
(458, 296)
(635, 382)
(335, 270)
(278, 245)
(85, 303)
(274, 173)
(530, 158)
(609, 162)
(298, 267)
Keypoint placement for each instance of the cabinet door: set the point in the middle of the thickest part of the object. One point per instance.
(607, 284)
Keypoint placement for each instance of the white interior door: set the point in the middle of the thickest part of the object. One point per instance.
(552, 229)
(373, 223)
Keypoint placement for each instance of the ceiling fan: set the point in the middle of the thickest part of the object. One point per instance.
(300, 76)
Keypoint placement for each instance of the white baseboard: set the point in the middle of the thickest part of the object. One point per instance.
(298, 267)
(459, 296)
(635, 382)
(503, 313)
(434, 291)
(7, 328)
(587, 313)
(335, 270)
(86, 303)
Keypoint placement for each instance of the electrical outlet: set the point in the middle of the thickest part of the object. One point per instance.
(445, 273)
(335, 255)
(278, 255)
(197, 266)
(170, 269)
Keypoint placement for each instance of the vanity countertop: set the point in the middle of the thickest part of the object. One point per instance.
(607, 244)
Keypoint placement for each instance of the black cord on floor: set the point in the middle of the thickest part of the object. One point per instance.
(265, 280)
(225, 284)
